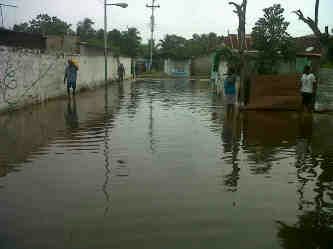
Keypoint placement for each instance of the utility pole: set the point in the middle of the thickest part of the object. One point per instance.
(2, 5)
(105, 43)
(152, 22)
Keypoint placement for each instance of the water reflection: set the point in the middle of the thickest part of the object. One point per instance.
(71, 115)
(142, 162)
(231, 135)
(272, 140)
(314, 228)
(106, 153)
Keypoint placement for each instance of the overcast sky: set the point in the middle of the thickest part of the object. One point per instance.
(181, 17)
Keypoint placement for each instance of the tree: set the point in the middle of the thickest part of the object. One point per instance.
(240, 10)
(23, 27)
(130, 42)
(323, 38)
(313, 24)
(115, 41)
(115, 38)
(174, 47)
(85, 29)
(271, 39)
(46, 25)
(203, 44)
(100, 34)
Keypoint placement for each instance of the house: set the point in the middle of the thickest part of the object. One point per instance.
(177, 68)
(231, 41)
(66, 44)
(308, 52)
(12, 38)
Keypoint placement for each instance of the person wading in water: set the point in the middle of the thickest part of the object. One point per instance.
(230, 91)
(71, 76)
(308, 82)
(121, 72)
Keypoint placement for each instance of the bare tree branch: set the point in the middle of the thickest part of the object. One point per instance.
(240, 10)
(237, 6)
(309, 21)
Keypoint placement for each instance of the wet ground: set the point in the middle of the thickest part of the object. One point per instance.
(158, 165)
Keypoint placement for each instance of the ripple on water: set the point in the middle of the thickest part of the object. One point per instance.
(117, 161)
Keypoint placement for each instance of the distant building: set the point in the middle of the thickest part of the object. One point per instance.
(11, 38)
(231, 41)
(66, 44)
(308, 52)
(177, 68)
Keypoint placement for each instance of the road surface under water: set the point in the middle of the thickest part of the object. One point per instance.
(158, 165)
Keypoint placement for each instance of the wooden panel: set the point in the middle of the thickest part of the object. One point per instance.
(275, 92)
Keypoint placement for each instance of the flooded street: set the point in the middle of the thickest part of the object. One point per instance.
(158, 165)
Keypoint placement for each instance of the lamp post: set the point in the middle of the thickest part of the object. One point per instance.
(122, 5)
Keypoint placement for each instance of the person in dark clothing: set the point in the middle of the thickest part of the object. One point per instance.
(71, 76)
(121, 72)
(71, 115)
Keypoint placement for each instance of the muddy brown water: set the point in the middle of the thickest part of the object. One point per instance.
(158, 165)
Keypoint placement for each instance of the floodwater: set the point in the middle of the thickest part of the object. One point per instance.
(158, 165)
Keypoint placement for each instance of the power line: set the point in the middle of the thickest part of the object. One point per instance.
(2, 6)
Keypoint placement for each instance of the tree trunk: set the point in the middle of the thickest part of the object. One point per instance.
(241, 12)
(242, 47)
(313, 24)
(316, 12)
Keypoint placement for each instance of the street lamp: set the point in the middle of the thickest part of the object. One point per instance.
(122, 5)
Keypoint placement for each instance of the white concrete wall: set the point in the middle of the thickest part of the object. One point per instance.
(28, 76)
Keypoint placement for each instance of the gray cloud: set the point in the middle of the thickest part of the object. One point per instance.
(182, 17)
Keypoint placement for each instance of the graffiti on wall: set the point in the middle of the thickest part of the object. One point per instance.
(20, 74)
(8, 79)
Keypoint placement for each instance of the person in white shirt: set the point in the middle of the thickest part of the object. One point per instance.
(308, 81)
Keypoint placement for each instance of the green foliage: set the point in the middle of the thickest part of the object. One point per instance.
(121, 43)
(144, 50)
(115, 41)
(130, 42)
(23, 27)
(177, 47)
(115, 38)
(46, 25)
(225, 53)
(173, 46)
(85, 30)
(203, 44)
(271, 39)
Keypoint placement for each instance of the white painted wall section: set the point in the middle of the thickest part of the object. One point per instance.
(29, 76)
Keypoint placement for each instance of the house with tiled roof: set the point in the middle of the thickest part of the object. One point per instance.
(308, 52)
(232, 41)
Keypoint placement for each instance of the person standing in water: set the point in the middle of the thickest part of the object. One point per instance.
(230, 90)
(308, 81)
(71, 76)
(121, 72)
